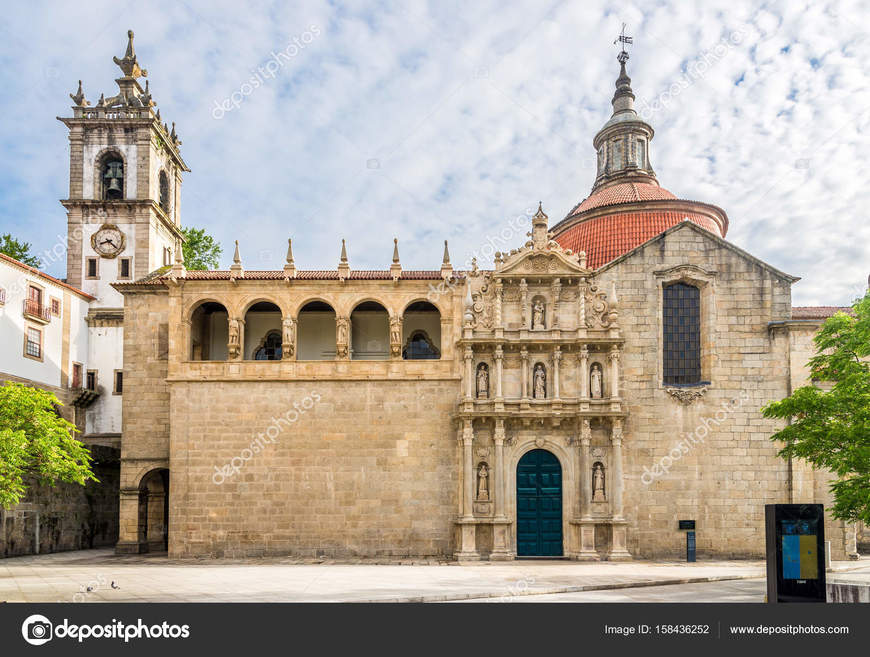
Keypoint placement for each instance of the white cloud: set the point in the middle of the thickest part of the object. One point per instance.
(473, 112)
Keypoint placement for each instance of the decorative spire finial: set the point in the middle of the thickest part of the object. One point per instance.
(236, 270)
(128, 64)
(290, 266)
(79, 97)
(622, 57)
(396, 267)
(343, 265)
(446, 267)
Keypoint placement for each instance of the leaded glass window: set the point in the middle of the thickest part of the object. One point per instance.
(682, 334)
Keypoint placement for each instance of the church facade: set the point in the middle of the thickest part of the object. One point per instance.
(600, 383)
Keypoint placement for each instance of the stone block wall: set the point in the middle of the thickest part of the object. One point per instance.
(309, 468)
(710, 460)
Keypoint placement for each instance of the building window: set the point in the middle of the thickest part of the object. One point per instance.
(91, 381)
(617, 155)
(164, 191)
(681, 317)
(167, 256)
(641, 154)
(2, 296)
(92, 268)
(124, 267)
(113, 179)
(420, 347)
(33, 343)
(77, 375)
(119, 382)
(270, 349)
(55, 306)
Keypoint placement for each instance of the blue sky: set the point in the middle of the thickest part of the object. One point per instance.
(446, 120)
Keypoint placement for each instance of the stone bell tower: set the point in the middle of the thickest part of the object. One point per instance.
(124, 186)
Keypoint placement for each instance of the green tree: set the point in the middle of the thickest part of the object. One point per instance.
(830, 428)
(17, 249)
(200, 249)
(36, 442)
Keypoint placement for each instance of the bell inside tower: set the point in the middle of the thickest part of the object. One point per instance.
(113, 180)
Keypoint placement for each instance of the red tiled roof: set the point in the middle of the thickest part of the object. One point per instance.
(817, 312)
(56, 281)
(622, 193)
(610, 236)
(305, 275)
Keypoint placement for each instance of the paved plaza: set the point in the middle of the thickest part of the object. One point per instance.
(101, 576)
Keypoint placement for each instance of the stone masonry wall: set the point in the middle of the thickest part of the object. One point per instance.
(723, 480)
(343, 469)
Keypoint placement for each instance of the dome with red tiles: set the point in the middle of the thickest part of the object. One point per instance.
(627, 206)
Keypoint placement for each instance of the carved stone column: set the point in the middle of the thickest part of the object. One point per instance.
(524, 303)
(288, 338)
(557, 357)
(499, 296)
(524, 354)
(619, 550)
(469, 372)
(236, 339)
(501, 536)
(467, 549)
(342, 338)
(557, 290)
(587, 524)
(584, 372)
(614, 372)
(396, 337)
(499, 371)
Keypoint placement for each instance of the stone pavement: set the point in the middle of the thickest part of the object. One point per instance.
(67, 576)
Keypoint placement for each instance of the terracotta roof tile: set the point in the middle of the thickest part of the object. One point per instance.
(817, 312)
(607, 237)
(305, 275)
(622, 193)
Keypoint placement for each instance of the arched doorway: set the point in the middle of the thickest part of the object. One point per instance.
(154, 511)
(539, 505)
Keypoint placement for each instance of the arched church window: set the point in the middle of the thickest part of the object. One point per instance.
(641, 154)
(164, 191)
(681, 318)
(113, 178)
(420, 347)
(270, 349)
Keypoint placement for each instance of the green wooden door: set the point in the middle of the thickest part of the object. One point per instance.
(539, 505)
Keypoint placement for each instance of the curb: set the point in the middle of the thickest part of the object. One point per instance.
(560, 589)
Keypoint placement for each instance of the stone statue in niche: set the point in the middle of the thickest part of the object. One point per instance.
(233, 343)
(595, 383)
(539, 389)
(396, 336)
(482, 488)
(537, 314)
(341, 337)
(598, 483)
(289, 335)
(482, 381)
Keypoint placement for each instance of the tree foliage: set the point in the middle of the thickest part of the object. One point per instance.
(17, 249)
(830, 425)
(36, 442)
(200, 249)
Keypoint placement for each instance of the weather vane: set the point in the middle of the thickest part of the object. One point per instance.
(624, 40)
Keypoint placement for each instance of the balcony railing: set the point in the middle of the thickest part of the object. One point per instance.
(35, 310)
